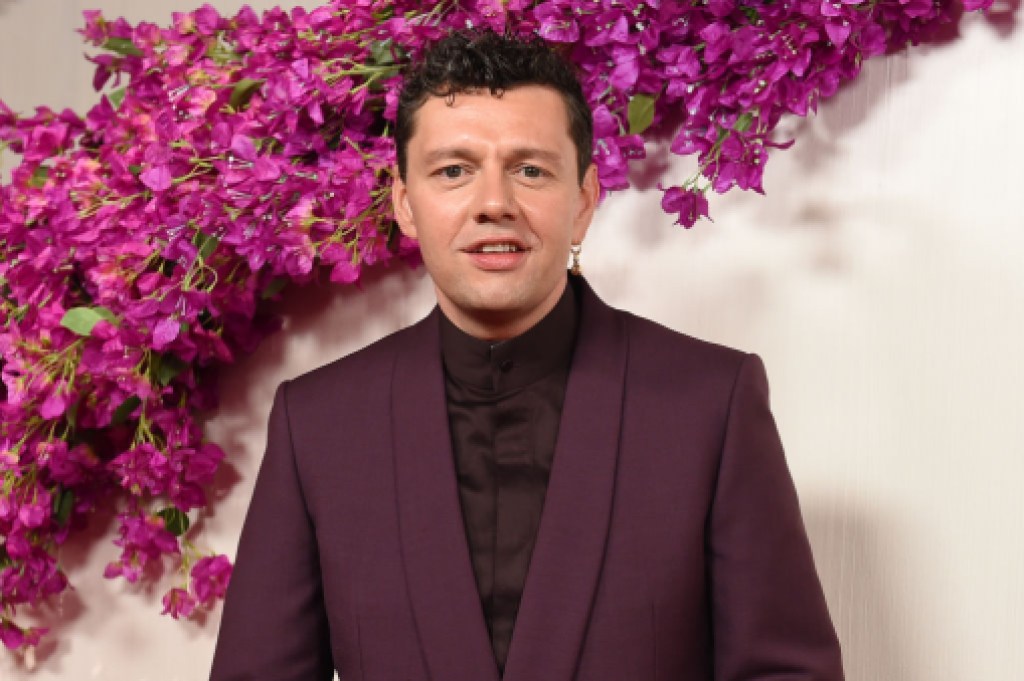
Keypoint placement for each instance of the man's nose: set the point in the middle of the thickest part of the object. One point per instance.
(495, 198)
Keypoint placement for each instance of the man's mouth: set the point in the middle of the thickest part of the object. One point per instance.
(497, 247)
(495, 255)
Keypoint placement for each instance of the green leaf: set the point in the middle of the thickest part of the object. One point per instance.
(135, 169)
(39, 176)
(207, 245)
(63, 504)
(72, 413)
(81, 320)
(243, 92)
(122, 46)
(640, 113)
(175, 520)
(167, 368)
(125, 410)
(751, 14)
(743, 122)
(117, 96)
(275, 286)
(381, 52)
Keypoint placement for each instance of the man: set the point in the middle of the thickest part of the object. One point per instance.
(527, 484)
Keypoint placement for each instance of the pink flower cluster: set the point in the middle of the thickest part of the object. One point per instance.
(208, 581)
(232, 155)
(717, 76)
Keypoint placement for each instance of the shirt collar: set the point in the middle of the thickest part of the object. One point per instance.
(504, 366)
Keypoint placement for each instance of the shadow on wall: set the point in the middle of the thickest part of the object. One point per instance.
(1003, 17)
(864, 606)
(60, 615)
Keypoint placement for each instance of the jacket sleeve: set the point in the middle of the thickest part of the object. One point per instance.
(769, 617)
(274, 624)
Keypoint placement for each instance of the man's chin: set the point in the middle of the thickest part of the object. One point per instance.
(496, 307)
(496, 301)
(499, 309)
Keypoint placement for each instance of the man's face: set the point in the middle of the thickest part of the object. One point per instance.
(492, 195)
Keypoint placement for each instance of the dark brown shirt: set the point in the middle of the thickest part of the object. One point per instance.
(504, 407)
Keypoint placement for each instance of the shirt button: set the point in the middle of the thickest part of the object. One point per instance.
(506, 365)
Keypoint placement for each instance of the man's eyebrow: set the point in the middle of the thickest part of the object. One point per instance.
(440, 153)
(516, 154)
(552, 157)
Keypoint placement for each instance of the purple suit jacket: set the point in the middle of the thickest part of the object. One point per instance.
(671, 546)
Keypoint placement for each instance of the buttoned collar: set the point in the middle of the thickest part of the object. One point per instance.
(498, 368)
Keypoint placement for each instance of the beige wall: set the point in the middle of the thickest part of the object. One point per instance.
(879, 279)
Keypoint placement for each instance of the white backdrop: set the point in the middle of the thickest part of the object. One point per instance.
(879, 279)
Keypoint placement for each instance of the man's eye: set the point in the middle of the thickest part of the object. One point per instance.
(533, 171)
(451, 172)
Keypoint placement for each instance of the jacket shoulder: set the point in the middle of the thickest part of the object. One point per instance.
(357, 371)
(658, 346)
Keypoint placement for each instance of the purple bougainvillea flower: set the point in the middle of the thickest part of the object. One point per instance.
(717, 40)
(345, 272)
(157, 178)
(37, 511)
(142, 468)
(207, 20)
(186, 495)
(202, 463)
(243, 147)
(178, 603)
(681, 60)
(143, 538)
(164, 333)
(264, 169)
(626, 70)
(18, 546)
(54, 405)
(688, 204)
(11, 635)
(210, 577)
(557, 23)
(68, 466)
(721, 8)
(838, 31)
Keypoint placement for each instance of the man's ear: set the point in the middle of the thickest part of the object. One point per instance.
(590, 190)
(400, 206)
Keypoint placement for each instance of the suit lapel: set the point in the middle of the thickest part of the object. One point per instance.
(439, 574)
(569, 552)
(566, 564)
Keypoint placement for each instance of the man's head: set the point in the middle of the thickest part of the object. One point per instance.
(471, 61)
(495, 178)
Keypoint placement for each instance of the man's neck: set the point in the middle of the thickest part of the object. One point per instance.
(499, 325)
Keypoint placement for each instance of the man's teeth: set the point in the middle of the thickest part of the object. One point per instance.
(499, 248)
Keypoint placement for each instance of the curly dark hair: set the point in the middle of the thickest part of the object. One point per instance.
(466, 60)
